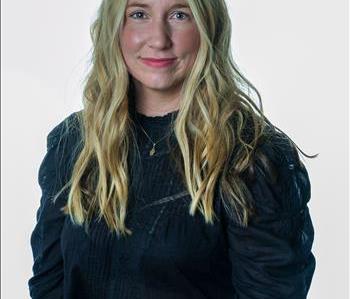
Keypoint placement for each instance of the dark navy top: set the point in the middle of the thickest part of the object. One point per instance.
(172, 254)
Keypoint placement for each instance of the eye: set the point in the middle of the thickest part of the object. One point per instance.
(141, 13)
(136, 13)
(181, 13)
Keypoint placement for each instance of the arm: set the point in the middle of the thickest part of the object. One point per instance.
(47, 279)
(272, 258)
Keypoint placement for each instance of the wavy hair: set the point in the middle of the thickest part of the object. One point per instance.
(217, 122)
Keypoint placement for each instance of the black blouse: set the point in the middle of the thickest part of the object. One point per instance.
(172, 254)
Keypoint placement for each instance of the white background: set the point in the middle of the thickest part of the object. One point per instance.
(294, 52)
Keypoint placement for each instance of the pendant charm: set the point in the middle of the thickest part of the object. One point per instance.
(152, 151)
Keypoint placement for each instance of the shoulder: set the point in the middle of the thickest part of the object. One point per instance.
(280, 179)
(67, 130)
(63, 145)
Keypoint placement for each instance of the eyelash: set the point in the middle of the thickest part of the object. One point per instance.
(136, 12)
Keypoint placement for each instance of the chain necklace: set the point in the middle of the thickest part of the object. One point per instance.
(153, 150)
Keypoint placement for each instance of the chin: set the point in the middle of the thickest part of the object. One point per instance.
(159, 86)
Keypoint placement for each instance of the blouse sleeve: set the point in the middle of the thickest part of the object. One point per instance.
(47, 279)
(272, 258)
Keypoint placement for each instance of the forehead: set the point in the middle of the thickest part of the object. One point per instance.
(150, 3)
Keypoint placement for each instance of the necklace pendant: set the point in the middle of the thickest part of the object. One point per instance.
(152, 151)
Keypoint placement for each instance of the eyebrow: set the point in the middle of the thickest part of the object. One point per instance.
(139, 4)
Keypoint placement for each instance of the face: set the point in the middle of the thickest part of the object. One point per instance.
(159, 29)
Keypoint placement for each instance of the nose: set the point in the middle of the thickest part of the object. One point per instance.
(159, 37)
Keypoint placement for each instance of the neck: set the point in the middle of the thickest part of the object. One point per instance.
(152, 102)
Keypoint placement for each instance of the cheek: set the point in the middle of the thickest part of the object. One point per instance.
(130, 40)
(188, 41)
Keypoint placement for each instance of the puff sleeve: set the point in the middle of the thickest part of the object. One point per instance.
(47, 279)
(272, 258)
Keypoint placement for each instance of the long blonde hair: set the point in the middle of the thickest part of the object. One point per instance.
(215, 114)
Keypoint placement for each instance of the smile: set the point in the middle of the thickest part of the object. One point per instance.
(158, 63)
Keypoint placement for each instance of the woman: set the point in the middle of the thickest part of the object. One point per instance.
(171, 182)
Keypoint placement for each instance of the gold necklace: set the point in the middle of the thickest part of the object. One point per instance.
(153, 150)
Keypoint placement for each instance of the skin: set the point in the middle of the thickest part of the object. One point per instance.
(158, 31)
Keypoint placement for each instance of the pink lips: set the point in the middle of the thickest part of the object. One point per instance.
(158, 62)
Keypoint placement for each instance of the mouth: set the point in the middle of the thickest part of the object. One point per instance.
(159, 62)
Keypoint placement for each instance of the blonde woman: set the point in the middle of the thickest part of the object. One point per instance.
(170, 182)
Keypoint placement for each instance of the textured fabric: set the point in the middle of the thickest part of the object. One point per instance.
(170, 253)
